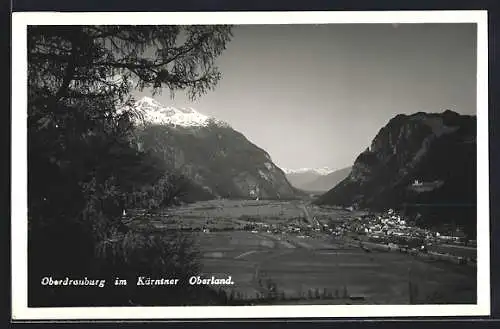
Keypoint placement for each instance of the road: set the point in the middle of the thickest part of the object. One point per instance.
(313, 221)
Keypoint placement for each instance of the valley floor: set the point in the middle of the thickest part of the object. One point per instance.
(258, 244)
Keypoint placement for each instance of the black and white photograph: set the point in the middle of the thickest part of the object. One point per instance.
(299, 168)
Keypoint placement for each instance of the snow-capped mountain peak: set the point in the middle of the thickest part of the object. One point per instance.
(156, 113)
(319, 171)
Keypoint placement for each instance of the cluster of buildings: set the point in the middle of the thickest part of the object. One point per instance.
(382, 228)
(391, 228)
(392, 225)
(295, 227)
(388, 228)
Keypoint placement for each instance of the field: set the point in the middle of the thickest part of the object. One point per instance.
(454, 250)
(314, 267)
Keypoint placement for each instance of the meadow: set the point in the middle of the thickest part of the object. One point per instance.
(316, 268)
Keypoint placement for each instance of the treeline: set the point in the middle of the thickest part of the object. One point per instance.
(83, 166)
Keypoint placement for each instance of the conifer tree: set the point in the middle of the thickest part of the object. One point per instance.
(82, 166)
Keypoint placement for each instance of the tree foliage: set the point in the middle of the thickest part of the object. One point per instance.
(83, 167)
(103, 61)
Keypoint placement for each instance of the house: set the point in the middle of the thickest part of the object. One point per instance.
(255, 193)
(446, 237)
(393, 246)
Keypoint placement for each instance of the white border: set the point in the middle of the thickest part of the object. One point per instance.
(20, 21)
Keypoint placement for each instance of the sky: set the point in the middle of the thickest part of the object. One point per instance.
(316, 95)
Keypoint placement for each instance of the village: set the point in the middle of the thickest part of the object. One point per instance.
(388, 231)
(334, 246)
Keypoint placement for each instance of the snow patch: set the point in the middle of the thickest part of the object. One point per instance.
(263, 175)
(268, 166)
(156, 113)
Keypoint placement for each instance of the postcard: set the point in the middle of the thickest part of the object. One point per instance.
(211, 165)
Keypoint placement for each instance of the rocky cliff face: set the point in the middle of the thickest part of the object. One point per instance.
(212, 154)
(423, 163)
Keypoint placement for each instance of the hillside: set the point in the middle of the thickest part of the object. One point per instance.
(217, 158)
(423, 164)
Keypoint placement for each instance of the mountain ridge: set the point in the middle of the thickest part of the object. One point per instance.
(319, 171)
(418, 159)
(219, 159)
(329, 181)
(153, 112)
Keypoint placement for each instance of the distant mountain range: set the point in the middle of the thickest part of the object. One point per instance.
(220, 161)
(326, 182)
(423, 164)
(316, 171)
(316, 180)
